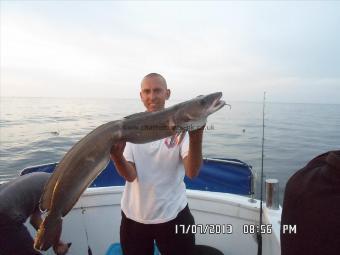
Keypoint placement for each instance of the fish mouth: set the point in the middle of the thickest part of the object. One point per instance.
(218, 103)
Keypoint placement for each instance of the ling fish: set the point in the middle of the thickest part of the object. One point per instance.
(88, 157)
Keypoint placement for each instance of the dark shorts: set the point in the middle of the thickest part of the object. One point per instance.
(137, 238)
(15, 239)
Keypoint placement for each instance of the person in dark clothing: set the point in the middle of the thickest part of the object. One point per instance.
(312, 205)
(19, 200)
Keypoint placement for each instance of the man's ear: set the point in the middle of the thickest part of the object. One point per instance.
(168, 93)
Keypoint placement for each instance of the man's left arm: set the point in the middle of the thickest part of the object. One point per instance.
(193, 161)
(36, 219)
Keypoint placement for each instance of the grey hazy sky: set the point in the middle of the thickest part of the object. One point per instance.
(104, 48)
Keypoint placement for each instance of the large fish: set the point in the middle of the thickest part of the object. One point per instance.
(87, 158)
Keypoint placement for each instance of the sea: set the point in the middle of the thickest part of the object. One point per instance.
(36, 131)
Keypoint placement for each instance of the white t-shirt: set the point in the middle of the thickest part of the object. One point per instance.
(157, 195)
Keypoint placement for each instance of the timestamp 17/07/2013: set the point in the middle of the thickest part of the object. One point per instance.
(204, 229)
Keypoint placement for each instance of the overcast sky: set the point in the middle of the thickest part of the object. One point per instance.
(104, 48)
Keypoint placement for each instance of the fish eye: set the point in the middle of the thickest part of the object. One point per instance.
(186, 118)
(203, 102)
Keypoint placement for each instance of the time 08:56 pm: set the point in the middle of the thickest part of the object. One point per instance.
(253, 228)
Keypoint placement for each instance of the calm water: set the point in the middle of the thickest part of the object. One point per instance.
(40, 130)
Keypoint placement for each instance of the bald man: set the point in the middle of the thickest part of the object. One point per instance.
(154, 200)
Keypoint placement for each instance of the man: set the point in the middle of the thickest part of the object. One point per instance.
(19, 199)
(154, 199)
(312, 205)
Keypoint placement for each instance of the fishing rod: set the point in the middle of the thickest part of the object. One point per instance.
(83, 210)
(259, 235)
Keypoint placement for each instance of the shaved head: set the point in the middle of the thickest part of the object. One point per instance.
(155, 76)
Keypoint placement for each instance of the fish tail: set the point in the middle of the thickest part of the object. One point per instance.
(48, 233)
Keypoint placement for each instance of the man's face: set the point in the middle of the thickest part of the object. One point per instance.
(153, 94)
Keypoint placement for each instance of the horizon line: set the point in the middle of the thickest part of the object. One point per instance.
(173, 99)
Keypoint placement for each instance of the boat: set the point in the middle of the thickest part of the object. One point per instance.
(221, 199)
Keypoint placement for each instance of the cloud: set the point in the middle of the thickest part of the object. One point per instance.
(104, 49)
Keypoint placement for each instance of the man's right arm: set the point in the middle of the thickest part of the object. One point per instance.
(125, 168)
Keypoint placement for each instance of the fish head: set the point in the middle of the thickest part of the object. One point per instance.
(193, 113)
(209, 104)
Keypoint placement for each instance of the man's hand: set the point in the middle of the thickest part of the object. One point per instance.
(61, 248)
(197, 133)
(117, 151)
(36, 219)
(192, 163)
(124, 168)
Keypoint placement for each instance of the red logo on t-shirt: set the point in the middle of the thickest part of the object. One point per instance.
(174, 140)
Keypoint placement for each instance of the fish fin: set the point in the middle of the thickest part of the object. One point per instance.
(193, 125)
(137, 115)
(198, 124)
(178, 137)
(181, 136)
(173, 127)
(46, 198)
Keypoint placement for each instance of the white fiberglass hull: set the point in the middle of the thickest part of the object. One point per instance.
(221, 222)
